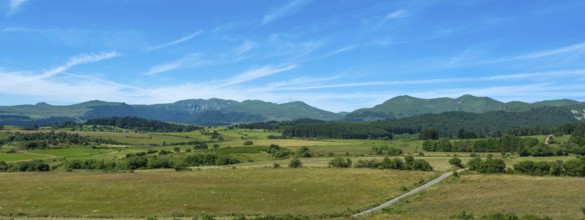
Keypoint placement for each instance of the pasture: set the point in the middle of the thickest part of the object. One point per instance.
(557, 197)
(305, 191)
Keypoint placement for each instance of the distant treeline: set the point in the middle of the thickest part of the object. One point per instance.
(538, 121)
(132, 123)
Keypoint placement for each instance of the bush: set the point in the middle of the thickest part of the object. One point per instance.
(159, 162)
(133, 163)
(278, 152)
(248, 142)
(295, 163)
(276, 165)
(420, 164)
(489, 165)
(30, 166)
(3, 166)
(340, 163)
(304, 152)
(455, 161)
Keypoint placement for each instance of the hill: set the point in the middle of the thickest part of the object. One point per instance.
(194, 111)
(407, 106)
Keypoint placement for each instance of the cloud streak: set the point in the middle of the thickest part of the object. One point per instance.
(286, 10)
(175, 42)
(578, 48)
(189, 61)
(14, 5)
(77, 60)
(256, 73)
(519, 76)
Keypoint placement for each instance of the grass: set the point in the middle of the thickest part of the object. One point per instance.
(303, 191)
(8, 157)
(557, 197)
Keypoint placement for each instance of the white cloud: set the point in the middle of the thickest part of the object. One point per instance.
(338, 51)
(175, 42)
(13, 5)
(286, 10)
(257, 73)
(518, 76)
(189, 61)
(245, 47)
(576, 48)
(77, 60)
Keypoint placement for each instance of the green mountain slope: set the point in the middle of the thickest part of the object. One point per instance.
(194, 111)
(407, 106)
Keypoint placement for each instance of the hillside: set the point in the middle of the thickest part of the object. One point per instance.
(194, 111)
(406, 106)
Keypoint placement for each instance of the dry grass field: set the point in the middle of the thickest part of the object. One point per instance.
(305, 191)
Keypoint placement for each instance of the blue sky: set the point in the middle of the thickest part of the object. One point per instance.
(338, 55)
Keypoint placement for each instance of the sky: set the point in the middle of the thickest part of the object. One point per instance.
(338, 55)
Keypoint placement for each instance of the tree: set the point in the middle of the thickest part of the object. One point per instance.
(295, 163)
(429, 133)
(455, 161)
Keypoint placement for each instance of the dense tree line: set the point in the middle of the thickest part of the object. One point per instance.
(463, 125)
(507, 143)
(46, 139)
(339, 131)
(140, 124)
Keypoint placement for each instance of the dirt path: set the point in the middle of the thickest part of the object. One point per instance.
(386, 204)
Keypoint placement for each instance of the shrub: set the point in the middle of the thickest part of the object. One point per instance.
(304, 152)
(455, 161)
(278, 152)
(340, 163)
(3, 166)
(295, 163)
(31, 166)
(133, 163)
(248, 142)
(420, 164)
(276, 165)
(489, 165)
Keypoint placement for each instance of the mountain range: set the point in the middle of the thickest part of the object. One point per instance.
(213, 112)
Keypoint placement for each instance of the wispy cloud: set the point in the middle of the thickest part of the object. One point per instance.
(14, 5)
(243, 48)
(256, 73)
(286, 10)
(175, 42)
(338, 51)
(393, 15)
(518, 76)
(77, 60)
(575, 48)
(189, 61)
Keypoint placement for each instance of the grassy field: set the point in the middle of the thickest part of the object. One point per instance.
(8, 157)
(303, 191)
(557, 197)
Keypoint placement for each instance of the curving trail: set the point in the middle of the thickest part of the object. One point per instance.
(418, 189)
